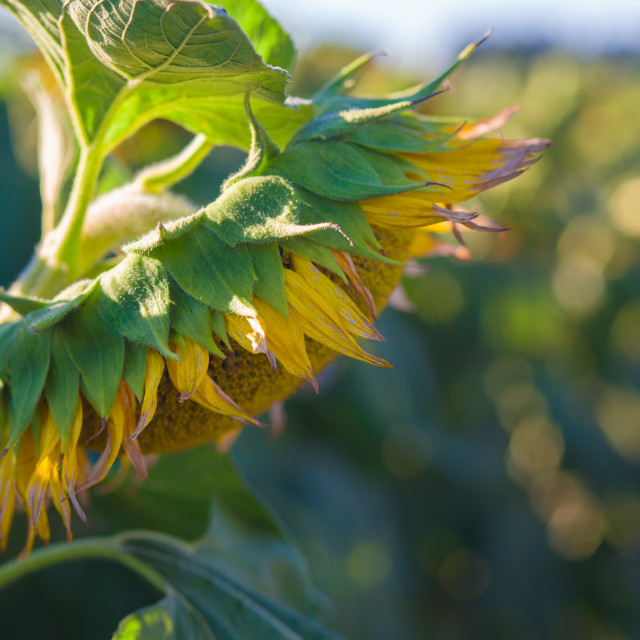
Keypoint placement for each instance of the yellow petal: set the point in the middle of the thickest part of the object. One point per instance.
(7, 496)
(152, 377)
(59, 501)
(115, 433)
(47, 459)
(285, 340)
(345, 262)
(187, 373)
(210, 395)
(320, 321)
(126, 406)
(72, 469)
(353, 319)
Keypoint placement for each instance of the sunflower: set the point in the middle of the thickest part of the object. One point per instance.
(209, 318)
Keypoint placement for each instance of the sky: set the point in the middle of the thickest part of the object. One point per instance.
(409, 30)
(414, 31)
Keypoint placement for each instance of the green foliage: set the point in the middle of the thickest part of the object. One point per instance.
(203, 601)
(133, 298)
(124, 64)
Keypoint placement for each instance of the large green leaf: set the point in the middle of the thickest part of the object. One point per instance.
(123, 63)
(267, 36)
(173, 618)
(215, 588)
(206, 599)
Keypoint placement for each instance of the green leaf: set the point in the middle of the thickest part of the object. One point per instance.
(210, 271)
(22, 304)
(341, 123)
(133, 299)
(7, 332)
(192, 319)
(212, 497)
(165, 232)
(267, 36)
(62, 386)
(28, 363)
(257, 210)
(246, 539)
(221, 119)
(267, 263)
(61, 306)
(166, 52)
(220, 328)
(135, 363)
(352, 221)
(329, 100)
(228, 608)
(98, 352)
(314, 252)
(181, 509)
(124, 63)
(404, 134)
(172, 618)
(340, 171)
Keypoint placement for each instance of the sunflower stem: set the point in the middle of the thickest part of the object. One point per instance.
(62, 247)
(85, 549)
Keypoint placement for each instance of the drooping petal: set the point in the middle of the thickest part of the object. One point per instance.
(210, 395)
(249, 334)
(7, 496)
(47, 459)
(479, 165)
(26, 466)
(59, 501)
(320, 321)
(353, 319)
(345, 261)
(187, 373)
(152, 377)
(285, 340)
(73, 460)
(125, 410)
(115, 433)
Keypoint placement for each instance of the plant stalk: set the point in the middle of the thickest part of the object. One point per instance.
(84, 549)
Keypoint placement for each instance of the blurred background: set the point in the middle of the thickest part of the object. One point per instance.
(488, 486)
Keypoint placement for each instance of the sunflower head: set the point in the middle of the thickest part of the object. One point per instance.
(207, 317)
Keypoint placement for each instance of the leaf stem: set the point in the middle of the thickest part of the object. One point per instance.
(102, 548)
(163, 175)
